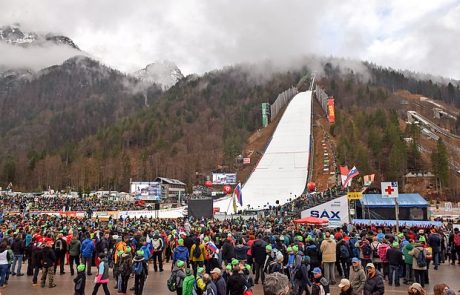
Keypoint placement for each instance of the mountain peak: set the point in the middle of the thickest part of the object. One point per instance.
(12, 34)
(164, 73)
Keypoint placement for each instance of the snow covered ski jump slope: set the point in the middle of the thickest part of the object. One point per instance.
(282, 172)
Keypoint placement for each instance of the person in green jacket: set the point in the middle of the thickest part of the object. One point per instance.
(408, 261)
(74, 254)
(189, 283)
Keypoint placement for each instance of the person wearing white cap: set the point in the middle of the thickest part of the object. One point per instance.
(345, 287)
(216, 275)
(374, 283)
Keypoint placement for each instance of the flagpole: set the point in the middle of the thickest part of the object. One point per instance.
(397, 215)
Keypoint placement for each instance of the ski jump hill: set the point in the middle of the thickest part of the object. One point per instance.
(283, 169)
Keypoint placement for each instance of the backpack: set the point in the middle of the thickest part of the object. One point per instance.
(197, 252)
(196, 289)
(421, 259)
(138, 268)
(156, 244)
(344, 253)
(58, 245)
(298, 274)
(367, 251)
(375, 252)
(457, 240)
(171, 283)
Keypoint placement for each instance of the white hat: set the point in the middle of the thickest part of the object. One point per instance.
(344, 282)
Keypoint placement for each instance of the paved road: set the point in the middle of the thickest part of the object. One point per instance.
(156, 284)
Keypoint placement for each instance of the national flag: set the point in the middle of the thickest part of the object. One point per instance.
(389, 189)
(238, 194)
(235, 207)
(211, 246)
(352, 173)
(343, 175)
(368, 179)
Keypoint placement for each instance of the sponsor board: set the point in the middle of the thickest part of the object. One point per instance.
(336, 211)
(223, 178)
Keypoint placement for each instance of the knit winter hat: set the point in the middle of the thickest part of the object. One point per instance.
(81, 268)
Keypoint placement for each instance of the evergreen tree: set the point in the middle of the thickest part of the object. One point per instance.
(440, 163)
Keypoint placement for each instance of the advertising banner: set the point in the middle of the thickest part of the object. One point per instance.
(336, 211)
(147, 191)
(330, 110)
(223, 178)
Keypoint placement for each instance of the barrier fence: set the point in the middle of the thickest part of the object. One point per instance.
(281, 101)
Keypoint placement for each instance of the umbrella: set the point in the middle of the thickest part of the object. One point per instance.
(311, 220)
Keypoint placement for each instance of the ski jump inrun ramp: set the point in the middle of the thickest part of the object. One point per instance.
(283, 170)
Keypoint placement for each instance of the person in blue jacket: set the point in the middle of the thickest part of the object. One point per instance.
(87, 250)
(181, 252)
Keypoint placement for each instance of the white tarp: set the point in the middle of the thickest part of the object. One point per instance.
(282, 172)
(336, 211)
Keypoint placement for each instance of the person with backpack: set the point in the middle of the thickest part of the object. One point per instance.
(200, 285)
(157, 251)
(80, 280)
(141, 271)
(365, 251)
(125, 269)
(320, 284)
(198, 255)
(102, 276)
(60, 248)
(301, 279)
(344, 257)
(74, 253)
(189, 283)
(277, 264)
(419, 263)
(375, 253)
(176, 280)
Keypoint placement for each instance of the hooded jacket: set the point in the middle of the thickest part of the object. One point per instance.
(87, 248)
(187, 285)
(74, 247)
(357, 279)
(181, 253)
(408, 258)
(180, 276)
(328, 250)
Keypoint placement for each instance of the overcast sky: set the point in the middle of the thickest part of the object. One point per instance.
(203, 35)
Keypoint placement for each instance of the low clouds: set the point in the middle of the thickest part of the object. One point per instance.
(203, 35)
(34, 57)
